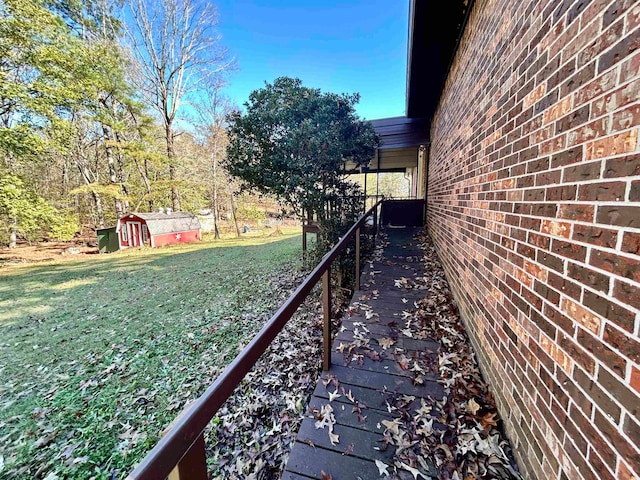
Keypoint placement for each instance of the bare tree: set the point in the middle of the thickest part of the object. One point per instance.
(212, 112)
(177, 46)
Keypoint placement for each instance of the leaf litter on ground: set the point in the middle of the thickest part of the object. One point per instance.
(456, 437)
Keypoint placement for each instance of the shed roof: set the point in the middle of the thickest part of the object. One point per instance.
(174, 222)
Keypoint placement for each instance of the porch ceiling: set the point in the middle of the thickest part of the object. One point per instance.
(389, 160)
(401, 132)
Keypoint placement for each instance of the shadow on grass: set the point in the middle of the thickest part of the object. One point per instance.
(108, 345)
(128, 275)
(139, 258)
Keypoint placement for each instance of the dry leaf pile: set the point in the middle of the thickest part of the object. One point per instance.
(253, 432)
(466, 441)
(457, 437)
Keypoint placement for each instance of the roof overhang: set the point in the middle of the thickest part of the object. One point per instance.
(435, 27)
(400, 141)
(401, 132)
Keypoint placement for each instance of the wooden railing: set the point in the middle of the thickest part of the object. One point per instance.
(181, 453)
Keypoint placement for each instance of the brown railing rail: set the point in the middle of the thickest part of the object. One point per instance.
(180, 454)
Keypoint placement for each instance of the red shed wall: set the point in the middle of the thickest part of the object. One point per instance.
(169, 238)
(122, 224)
(534, 205)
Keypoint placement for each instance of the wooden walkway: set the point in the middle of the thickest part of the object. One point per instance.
(373, 367)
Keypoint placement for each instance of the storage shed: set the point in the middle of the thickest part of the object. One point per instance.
(107, 240)
(157, 229)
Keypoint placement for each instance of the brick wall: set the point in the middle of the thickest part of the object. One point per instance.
(534, 205)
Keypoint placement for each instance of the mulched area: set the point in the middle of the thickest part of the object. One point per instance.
(405, 397)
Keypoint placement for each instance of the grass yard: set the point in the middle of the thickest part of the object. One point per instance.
(98, 355)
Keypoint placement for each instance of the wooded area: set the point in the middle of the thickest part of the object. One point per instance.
(109, 108)
(106, 109)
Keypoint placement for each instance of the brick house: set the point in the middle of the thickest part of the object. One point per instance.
(533, 201)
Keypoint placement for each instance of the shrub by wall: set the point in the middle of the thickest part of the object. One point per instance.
(534, 205)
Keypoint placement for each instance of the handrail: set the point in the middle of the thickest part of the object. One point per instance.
(188, 429)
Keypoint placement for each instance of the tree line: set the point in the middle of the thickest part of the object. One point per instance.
(107, 108)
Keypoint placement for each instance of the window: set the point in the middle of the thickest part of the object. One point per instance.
(145, 234)
(123, 232)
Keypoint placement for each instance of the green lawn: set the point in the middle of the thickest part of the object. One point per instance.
(98, 355)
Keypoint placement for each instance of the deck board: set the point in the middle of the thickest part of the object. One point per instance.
(312, 461)
(371, 383)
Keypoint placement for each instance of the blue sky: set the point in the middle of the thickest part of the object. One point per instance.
(336, 45)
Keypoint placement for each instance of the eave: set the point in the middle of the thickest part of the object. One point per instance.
(434, 31)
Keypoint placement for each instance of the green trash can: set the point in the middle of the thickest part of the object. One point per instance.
(107, 240)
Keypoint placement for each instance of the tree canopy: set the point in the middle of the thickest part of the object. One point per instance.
(88, 116)
(23, 212)
(293, 142)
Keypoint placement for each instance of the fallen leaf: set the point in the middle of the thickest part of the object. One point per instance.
(489, 420)
(473, 406)
(349, 395)
(414, 471)
(369, 314)
(382, 468)
(386, 342)
(407, 332)
(426, 429)
(392, 426)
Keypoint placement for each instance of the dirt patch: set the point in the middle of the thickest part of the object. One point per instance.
(47, 251)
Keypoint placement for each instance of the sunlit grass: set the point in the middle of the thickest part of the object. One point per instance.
(98, 354)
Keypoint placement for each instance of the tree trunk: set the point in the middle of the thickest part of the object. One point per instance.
(171, 154)
(215, 190)
(13, 234)
(144, 175)
(87, 176)
(233, 211)
(152, 201)
(65, 177)
(113, 178)
(99, 210)
(122, 178)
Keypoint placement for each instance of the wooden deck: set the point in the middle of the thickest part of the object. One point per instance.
(369, 378)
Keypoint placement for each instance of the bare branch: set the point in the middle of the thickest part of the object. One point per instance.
(177, 47)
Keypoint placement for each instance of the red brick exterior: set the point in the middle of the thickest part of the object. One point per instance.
(534, 205)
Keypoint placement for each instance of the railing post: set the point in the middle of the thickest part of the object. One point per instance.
(326, 313)
(375, 220)
(178, 455)
(193, 466)
(357, 259)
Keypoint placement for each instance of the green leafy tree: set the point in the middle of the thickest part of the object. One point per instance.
(25, 214)
(47, 68)
(292, 143)
(37, 73)
(63, 98)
